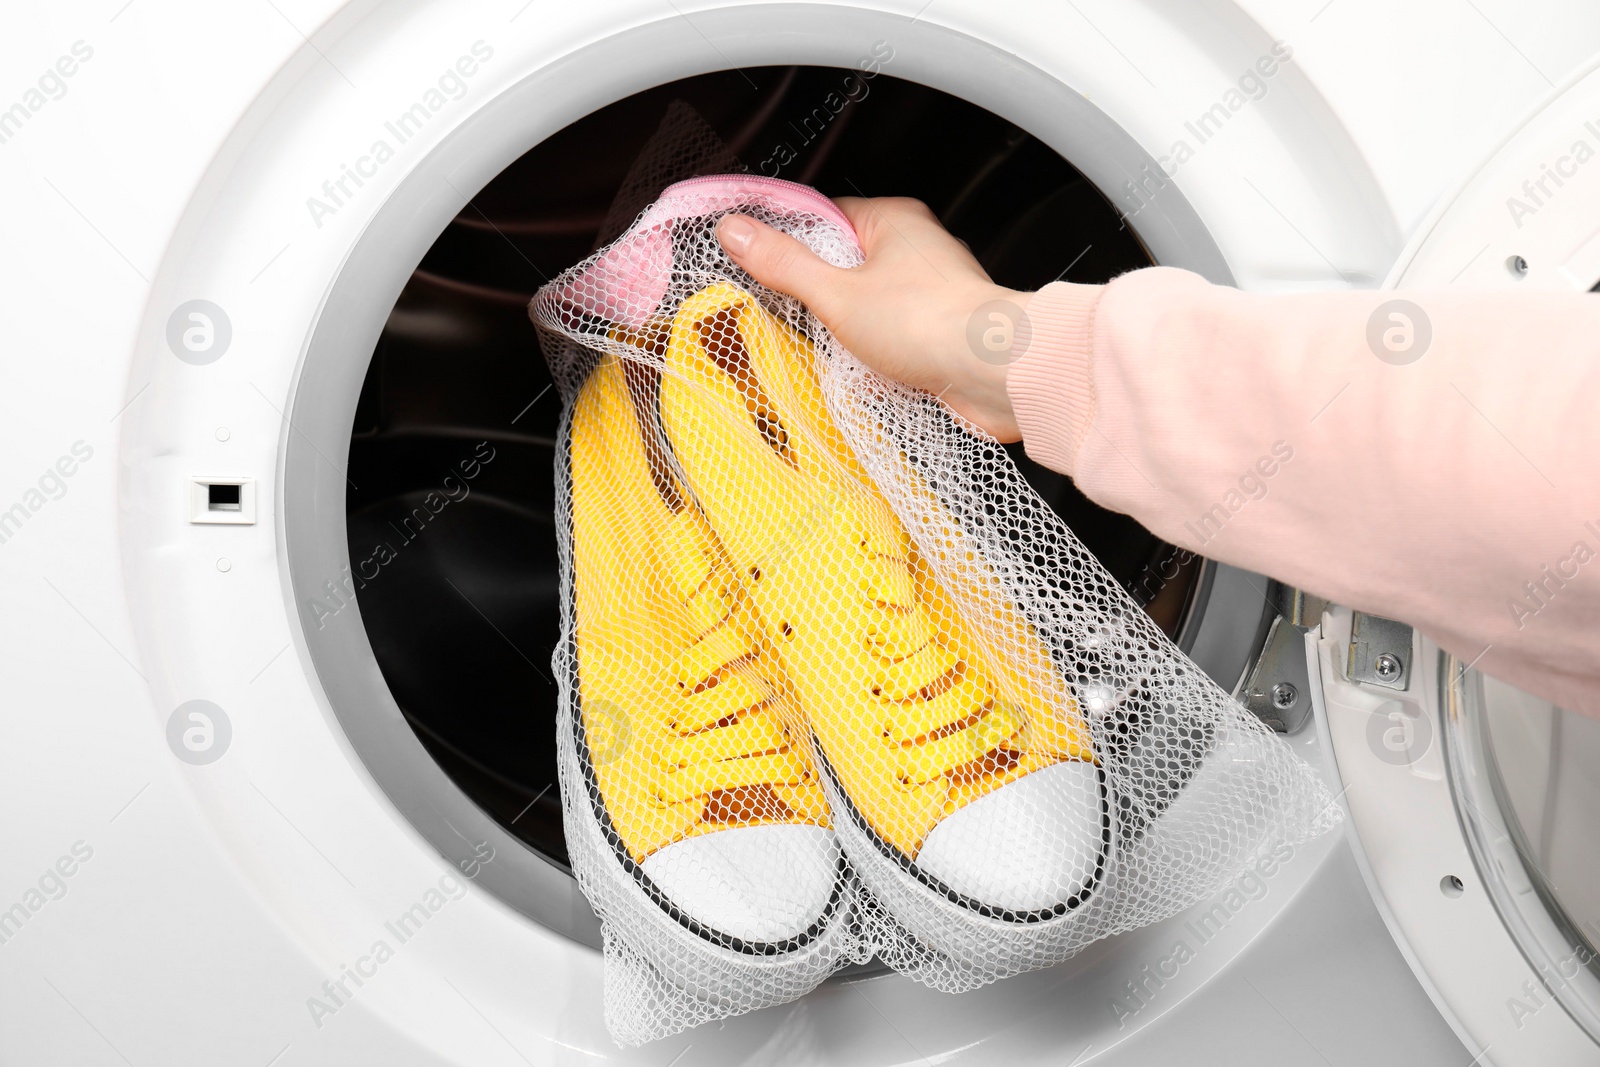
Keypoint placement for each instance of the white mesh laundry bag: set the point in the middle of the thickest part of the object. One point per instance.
(835, 681)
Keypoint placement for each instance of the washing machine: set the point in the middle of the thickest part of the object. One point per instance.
(276, 529)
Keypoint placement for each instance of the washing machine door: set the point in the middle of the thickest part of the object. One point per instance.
(1473, 804)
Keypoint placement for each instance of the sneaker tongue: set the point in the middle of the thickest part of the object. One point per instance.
(684, 554)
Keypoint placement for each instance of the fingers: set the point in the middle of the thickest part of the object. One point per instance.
(880, 218)
(779, 261)
(861, 210)
(884, 222)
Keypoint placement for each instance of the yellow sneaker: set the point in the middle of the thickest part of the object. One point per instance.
(962, 771)
(697, 798)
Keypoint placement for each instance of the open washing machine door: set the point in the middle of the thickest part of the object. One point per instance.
(328, 855)
(1473, 805)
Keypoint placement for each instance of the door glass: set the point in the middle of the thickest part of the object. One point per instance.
(1549, 776)
(1526, 779)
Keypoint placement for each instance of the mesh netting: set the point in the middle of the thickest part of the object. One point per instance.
(836, 682)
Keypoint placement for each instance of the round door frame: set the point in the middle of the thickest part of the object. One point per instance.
(1227, 615)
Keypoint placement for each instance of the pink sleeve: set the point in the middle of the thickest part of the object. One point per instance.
(1459, 492)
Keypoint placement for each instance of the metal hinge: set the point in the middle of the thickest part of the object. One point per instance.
(1278, 691)
(1380, 651)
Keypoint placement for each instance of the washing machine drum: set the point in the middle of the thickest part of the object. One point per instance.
(450, 510)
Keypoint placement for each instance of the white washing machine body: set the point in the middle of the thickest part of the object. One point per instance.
(282, 880)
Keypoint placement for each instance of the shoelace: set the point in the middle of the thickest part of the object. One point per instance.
(941, 711)
(726, 732)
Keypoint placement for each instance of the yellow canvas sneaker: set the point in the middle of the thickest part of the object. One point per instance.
(705, 804)
(971, 774)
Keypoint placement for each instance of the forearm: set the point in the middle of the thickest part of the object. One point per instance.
(1264, 431)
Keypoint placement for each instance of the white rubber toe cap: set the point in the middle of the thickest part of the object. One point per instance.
(1027, 846)
(758, 883)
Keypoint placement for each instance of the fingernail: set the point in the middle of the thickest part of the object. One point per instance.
(735, 232)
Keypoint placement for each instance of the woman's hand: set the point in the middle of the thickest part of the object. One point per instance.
(915, 311)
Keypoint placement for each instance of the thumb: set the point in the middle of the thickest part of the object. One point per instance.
(778, 261)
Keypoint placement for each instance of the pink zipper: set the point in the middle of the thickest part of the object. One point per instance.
(630, 277)
(789, 194)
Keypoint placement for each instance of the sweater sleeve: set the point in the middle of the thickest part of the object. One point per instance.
(1441, 468)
